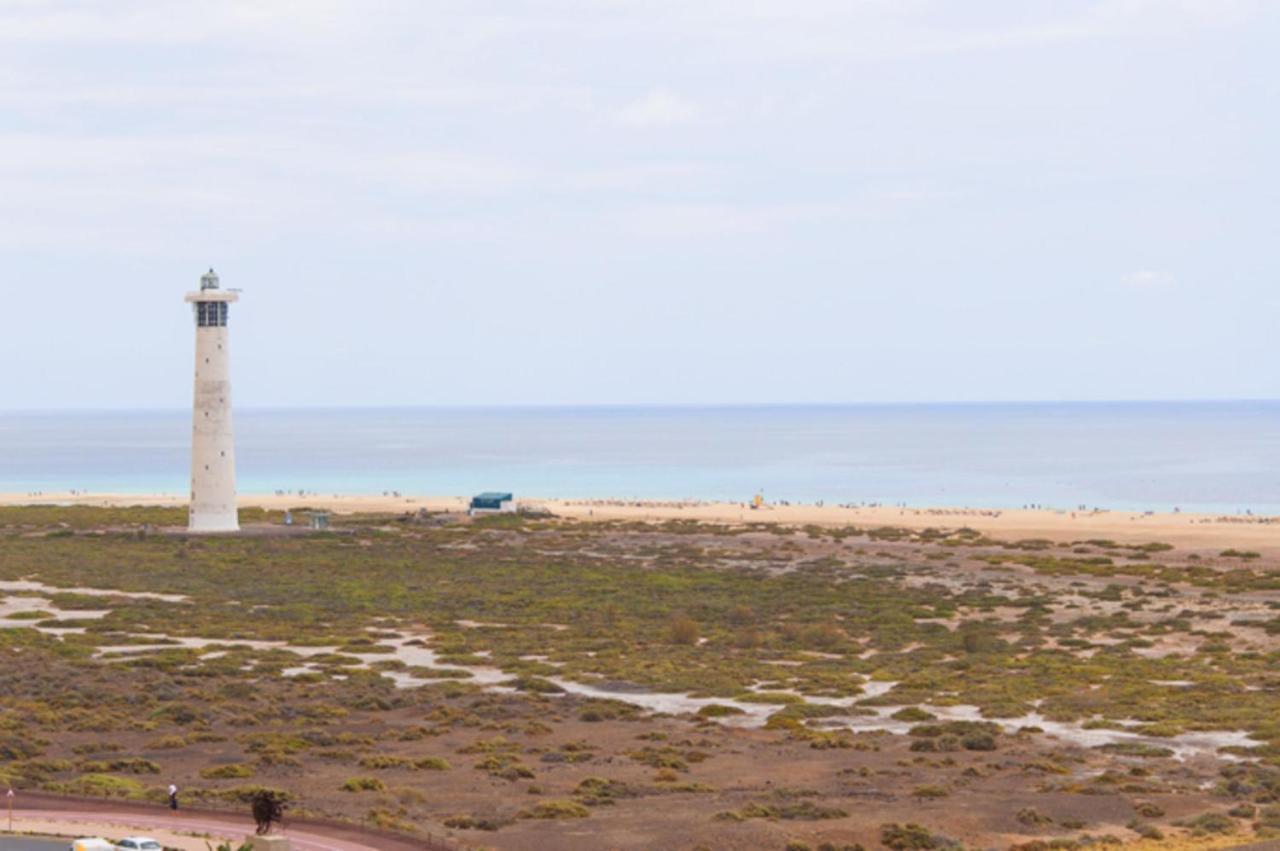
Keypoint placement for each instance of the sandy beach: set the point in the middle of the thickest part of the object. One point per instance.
(1184, 529)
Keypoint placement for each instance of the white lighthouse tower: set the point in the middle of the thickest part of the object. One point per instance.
(213, 457)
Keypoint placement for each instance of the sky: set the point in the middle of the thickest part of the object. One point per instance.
(467, 202)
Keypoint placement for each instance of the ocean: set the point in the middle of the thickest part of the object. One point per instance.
(1197, 456)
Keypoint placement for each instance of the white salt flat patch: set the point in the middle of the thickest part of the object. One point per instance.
(179, 641)
(1184, 746)
(412, 651)
(32, 585)
(419, 656)
(10, 606)
(754, 714)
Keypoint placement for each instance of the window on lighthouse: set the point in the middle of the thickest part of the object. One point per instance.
(211, 314)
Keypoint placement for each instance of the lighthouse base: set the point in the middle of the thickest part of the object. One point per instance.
(213, 524)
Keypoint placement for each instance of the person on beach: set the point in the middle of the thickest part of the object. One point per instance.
(173, 797)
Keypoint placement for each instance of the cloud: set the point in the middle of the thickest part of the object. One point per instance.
(658, 109)
(1147, 279)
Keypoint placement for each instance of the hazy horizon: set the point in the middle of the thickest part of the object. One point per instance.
(642, 203)
(675, 406)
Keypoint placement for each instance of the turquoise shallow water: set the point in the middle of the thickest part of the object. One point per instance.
(1219, 456)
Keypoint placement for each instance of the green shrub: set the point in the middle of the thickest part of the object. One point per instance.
(719, 710)
(245, 794)
(232, 771)
(1146, 831)
(978, 742)
(381, 762)
(536, 684)
(785, 810)
(101, 785)
(120, 766)
(683, 630)
(555, 810)
(930, 792)
(1210, 824)
(908, 837)
(596, 791)
(914, 714)
(476, 822)
(505, 766)
(364, 784)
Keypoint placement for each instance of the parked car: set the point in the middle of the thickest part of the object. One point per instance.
(138, 843)
(92, 843)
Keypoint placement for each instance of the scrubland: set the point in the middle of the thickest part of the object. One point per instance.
(547, 684)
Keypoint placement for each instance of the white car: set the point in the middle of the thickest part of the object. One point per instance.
(92, 843)
(138, 843)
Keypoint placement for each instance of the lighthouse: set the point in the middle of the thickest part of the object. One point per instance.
(213, 457)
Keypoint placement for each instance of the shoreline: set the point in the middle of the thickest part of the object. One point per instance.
(1185, 529)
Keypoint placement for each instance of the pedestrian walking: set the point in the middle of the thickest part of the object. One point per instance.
(173, 797)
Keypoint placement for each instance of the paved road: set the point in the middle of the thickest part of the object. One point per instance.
(76, 821)
(49, 815)
(14, 843)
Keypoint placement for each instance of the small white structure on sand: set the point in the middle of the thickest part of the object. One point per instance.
(213, 458)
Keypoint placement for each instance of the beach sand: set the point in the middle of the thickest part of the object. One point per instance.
(1186, 530)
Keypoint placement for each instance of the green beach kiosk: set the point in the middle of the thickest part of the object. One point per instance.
(491, 501)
